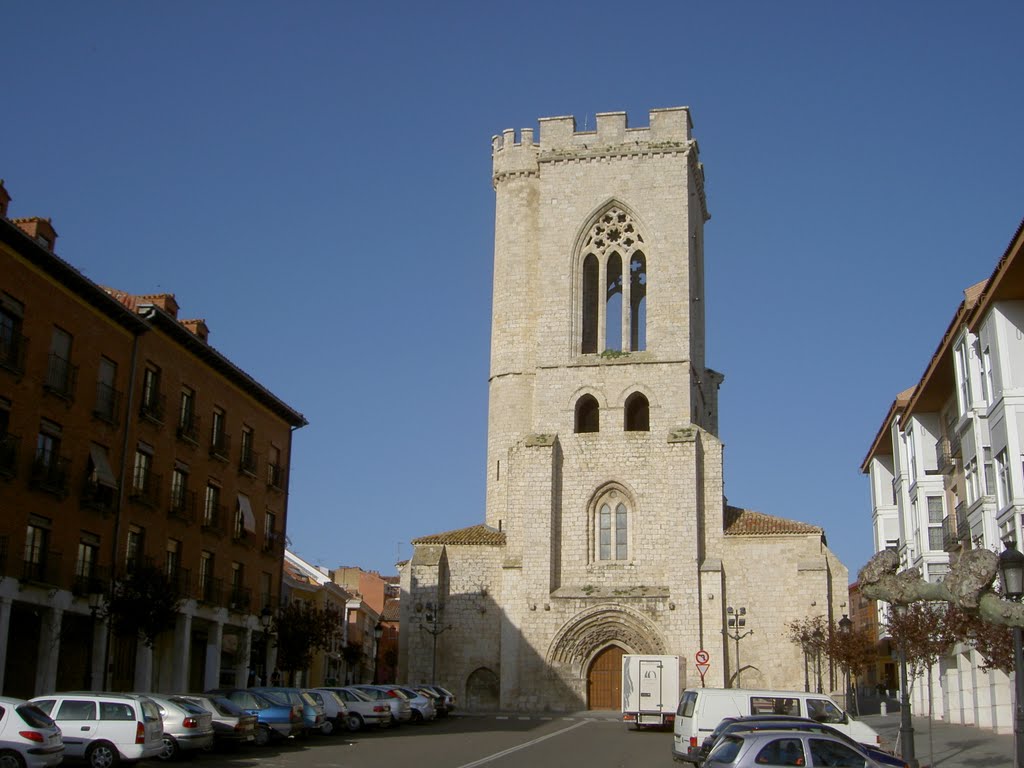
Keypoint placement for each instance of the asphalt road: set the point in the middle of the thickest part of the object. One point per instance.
(468, 742)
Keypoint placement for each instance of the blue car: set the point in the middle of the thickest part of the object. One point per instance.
(275, 718)
(313, 716)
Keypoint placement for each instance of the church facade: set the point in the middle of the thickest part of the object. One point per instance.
(606, 528)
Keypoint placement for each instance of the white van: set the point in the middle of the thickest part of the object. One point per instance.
(701, 709)
(105, 728)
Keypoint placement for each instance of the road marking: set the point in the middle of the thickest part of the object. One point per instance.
(510, 750)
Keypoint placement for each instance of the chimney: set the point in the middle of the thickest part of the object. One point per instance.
(198, 328)
(5, 200)
(40, 230)
(165, 301)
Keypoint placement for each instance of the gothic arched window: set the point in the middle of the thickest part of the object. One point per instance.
(618, 320)
(588, 415)
(638, 413)
(611, 528)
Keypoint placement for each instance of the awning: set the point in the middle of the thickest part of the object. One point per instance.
(101, 467)
(248, 518)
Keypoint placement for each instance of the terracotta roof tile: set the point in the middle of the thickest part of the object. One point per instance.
(474, 534)
(746, 522)
(392, 610)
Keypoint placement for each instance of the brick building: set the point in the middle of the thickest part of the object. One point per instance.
(128, 444)
(606, 528)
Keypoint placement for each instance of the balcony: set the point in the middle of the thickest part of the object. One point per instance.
(61, 377)
(963, 530)
(240, 599)
(145, 488)
(98, 497)
(248, 462)
(9, 454)
(50, 474)
(12, 351)
(944, 460)
(241, 536)
(97, 581)
(180, 580)
(108, 404)
(182, 506)
(210, 590)
(154, 408)
(220, 445)
(275, 477)
(213, 520)
(188, 429)
(42, 568)
(272, 542)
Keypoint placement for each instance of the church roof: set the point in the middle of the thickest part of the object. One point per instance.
(473, 535)
(747, 522)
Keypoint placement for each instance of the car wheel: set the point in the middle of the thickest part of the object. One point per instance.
(170, 750)
(417, 716)
(327, 728)
(262, 736)
(102, 754)
(11, 759)
(354, 722)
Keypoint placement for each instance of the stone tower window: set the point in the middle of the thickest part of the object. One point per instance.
(611, 528)
(638, 413)
(588, 415)
(616, 320)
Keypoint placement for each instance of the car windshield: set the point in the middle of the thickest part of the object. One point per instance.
(726, 750)
(334, 697)
(277, 698)
(355, 695)
(308, 700)
(192, 707)
(398, 693)
(34, 716)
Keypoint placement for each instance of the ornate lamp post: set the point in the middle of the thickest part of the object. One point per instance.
(845, 627)
(805, 642)
(432, 624)
(906, 725)
(378, 632)
(819, 640)
(737, 622)
(1011, 574)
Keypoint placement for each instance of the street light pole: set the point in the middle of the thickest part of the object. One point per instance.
(378, 631)
(432, 624)
(804, 642)
(907, 751)
(845, 627)
(736, 622)
(1011, 573)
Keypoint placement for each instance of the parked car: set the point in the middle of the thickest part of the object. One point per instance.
(29, 738)
(335, 711)
(363, 712)
(447, 697)
(231, 725)
(105, 728)
(752, 749)
(440, 708)
(401, 710)
(423, 709)
(312, 713)
(275, 719)
(187, 726)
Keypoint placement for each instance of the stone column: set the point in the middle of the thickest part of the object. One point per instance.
(244, 653)
(99, 654)
(182, 652)
(213, 646)
(143, 667)
(5, 628)
(49, 650)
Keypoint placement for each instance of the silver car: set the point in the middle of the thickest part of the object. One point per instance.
(28, 737)
(401, 710)
(363, 712)
(753, 749)
(187, 726)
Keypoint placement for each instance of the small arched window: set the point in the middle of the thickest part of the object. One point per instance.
(638, 413)
(611, 528)
(588, 415)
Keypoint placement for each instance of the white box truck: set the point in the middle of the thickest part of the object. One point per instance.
(650, 689)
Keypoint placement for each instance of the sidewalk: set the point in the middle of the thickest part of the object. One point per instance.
(945, 745)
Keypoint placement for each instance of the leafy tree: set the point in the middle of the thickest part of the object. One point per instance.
(303, 628)
(353, 656)
(921, 632)
(143, 604)
(993, 642)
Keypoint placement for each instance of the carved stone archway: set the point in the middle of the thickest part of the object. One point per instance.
(596, 628)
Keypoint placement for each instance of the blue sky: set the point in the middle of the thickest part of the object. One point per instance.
(313, 179)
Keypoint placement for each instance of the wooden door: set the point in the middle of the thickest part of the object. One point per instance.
(604, 680)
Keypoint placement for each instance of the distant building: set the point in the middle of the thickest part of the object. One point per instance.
(606, 527)
(127, 444)
(946, 474)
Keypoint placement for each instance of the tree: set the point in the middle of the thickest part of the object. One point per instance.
(353, 656)
(301, 629)
(811, 634)
(143, 604)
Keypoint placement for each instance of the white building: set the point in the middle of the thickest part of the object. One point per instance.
(946, 469)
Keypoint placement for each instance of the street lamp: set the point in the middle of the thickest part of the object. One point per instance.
(906, 725)
(737, 622)
(845, 628)
(1011, 574)
(432, 624)
(819, 640)
(805, 642)
(378, 631)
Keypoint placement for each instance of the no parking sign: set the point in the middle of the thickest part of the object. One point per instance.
(703, 659)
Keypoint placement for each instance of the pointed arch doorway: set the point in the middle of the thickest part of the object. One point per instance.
(604, 679)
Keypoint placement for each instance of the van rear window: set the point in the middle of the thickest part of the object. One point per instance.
(686, 704)
(774, 705)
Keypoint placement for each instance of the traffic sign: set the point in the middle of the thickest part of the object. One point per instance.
(703, 657)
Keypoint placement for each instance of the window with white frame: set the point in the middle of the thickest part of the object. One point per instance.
(937, 572)
(963, 377)
(990, 474)
(912, 454)
(985, 361)
(611, 528)
(1002, 479)
(935, 514)
(971, 480)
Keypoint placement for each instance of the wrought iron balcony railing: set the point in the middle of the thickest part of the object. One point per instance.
(42, 568)
(9, 454)
(240, 599)
(145, 488)
(98, 497)
(275, 477)
(108, 404)
(963, 530)
(95, 581)
(248, 462)
(188, 428)
(210, 590)
(61, 377)
(50, 474)
(180, 580)
(272, 541)
(154, 407)
(220, 445)
(183, 505)
(12, 351)
(213, 520)
(944, 457)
